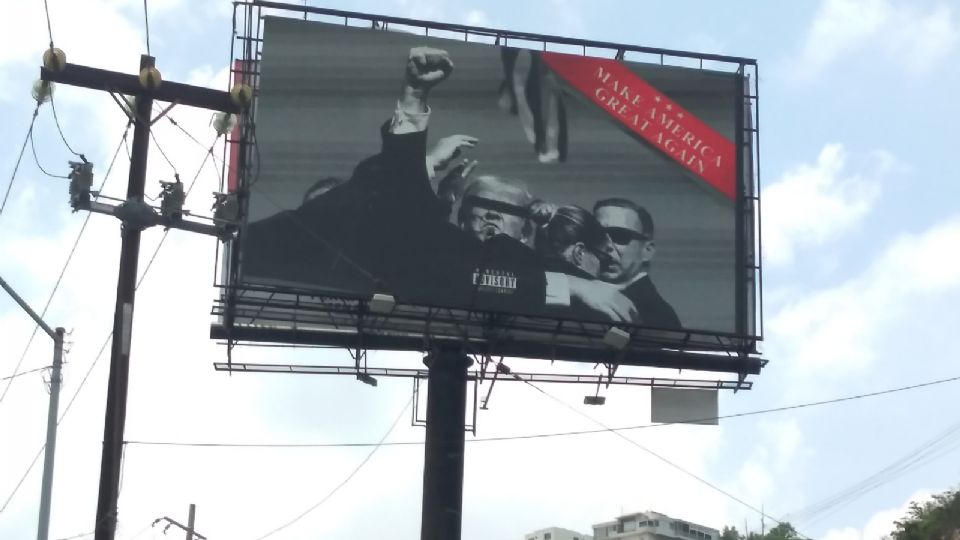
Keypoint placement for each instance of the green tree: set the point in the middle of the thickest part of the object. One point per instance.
(783, 531)
(937, 519)
(730, 533)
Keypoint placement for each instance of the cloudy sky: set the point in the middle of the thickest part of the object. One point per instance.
(862, 276)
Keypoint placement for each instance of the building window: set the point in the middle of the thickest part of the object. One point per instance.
(547, 536)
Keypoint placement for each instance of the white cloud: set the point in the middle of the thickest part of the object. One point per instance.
(765, 474)
(914, 37)
(812, 204)
(477, 17)
(879, 525)
(831, 333)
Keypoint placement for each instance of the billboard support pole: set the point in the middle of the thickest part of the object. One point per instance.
(146, 88)
(443, 457)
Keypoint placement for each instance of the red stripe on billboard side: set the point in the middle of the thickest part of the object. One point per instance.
(647, 112)
(233, 165)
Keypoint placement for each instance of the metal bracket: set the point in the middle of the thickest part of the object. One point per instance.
(136, 214)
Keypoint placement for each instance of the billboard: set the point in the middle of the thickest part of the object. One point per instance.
(541, 196)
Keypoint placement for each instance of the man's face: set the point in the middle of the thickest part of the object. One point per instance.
(485, 223)
(630, 248)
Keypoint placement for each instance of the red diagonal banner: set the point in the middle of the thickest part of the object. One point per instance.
(645, 111)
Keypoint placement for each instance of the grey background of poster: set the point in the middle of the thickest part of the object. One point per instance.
(325, 90)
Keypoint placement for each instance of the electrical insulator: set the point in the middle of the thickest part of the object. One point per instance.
(226, 213)
(223, 123)
(42, 90)
(241, 95)
(150, 78)
(172, 198)
(54, 59)
(81, 182)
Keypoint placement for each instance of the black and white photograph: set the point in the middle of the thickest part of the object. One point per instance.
(483, 177)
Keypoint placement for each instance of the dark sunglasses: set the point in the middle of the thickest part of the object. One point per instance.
(474, 201)
(623, 235)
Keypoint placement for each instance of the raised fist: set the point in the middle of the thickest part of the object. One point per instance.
(427, 66)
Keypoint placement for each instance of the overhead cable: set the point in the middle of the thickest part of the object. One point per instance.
(676, 466)
(103, 347)
(23, 147)
(348, 477)
(66, 263)
(556, 434)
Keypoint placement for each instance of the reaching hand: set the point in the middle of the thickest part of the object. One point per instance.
(454, 182)
(603, 298)
(427, 66)
(541, 212)
(449, 148)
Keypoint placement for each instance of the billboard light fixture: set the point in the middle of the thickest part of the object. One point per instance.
(594, 400)
(616, 338)
(366, 378)
(382, 303)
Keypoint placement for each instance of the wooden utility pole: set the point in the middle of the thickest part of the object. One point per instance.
(135, 215)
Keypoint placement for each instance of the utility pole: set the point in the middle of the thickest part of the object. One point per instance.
(190, 521)
(135, 215)
(191, 533)
(43, 529)
(763, 521)
(46, 487)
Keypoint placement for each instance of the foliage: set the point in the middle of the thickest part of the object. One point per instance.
(783, 531)
(936, 519)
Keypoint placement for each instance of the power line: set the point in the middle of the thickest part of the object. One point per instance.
(676, 466)
(938, 446)
(200, 144)
(66, 263)
(23, 148)
(103, 347)
(143, 530)
(185, 132)
(345, 480)
(74, 537)
(46, 9)
(146, 24)
(15, 375)
(56, 120)
(33, 149)
(555, 434)
(162, 153)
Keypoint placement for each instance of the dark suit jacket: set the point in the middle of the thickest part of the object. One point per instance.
(385, 231)
(653, 310)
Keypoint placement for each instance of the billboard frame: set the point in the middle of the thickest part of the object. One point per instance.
(730, 352)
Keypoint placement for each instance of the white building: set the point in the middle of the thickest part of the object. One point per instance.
(556, 533)
(652, 526)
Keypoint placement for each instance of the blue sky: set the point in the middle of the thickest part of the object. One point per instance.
(862, 276)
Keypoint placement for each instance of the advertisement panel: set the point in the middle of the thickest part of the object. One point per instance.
(493, 180)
